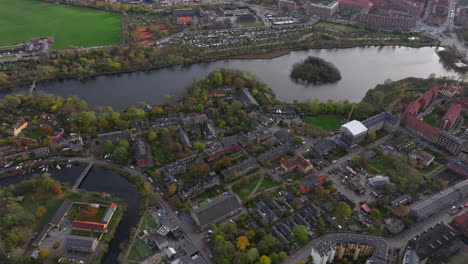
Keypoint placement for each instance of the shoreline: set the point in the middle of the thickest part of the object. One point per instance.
(254, 56)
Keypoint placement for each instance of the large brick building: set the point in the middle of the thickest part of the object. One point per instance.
(450, 117)
(355, 6)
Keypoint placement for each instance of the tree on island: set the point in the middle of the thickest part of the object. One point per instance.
(315, 70)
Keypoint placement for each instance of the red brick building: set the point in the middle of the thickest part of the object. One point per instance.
(355, 6)
(89, 226)
(297, 162)
(426, 130)
(450, 117)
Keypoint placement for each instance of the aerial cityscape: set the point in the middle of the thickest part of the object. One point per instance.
(234, 132)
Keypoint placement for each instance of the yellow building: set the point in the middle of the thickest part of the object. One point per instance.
(18, 127)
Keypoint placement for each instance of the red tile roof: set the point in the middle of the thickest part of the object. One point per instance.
(113, 206)
(461, 223)
(413, 108)
(430, 132)
(366, 208)
(297, 160)
(452, 113)
(183, 20)
(352, 2)
(93, 226)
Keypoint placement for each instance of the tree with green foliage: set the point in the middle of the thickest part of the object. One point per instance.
(198, 145)
(265, 260)
(301, 234)
(343, 210)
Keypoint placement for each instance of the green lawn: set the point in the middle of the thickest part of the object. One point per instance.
(433, 119)
(256, 24)
(382, 164)
(33, 201)
(34, 132)
(143, 250)
(244, 191)
(21, 20)
(149, 221)
(328, 122)
(435, 172)
(267, 183)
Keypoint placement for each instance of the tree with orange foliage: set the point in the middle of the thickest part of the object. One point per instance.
(402, 210)
(90, 211)
(242, 243)
(57, 189)
(172, 189)
(47, 130)
(40, 211)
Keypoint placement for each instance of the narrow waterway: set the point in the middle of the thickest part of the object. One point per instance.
(98, 180)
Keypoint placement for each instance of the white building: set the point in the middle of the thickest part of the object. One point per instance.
(353, 133)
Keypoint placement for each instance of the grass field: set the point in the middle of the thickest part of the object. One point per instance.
(149, 221)
(328, 122)
(21, 20)
(267, 183)
(244, 191)
(256, 24)
(143, 250)
(433, 119)
(439, 169)
(382, 164)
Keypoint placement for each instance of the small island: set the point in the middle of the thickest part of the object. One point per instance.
(315, 70)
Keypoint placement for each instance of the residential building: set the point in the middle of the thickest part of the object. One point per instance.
(308, 186)
(378, 181)
(183, 139)
(264, 120)
(109, 213)
(366, 208)
(413, 7)
(388, 20)
(89, 226)
(197, 187)
(81, 244)
(287, 6)
(284, 136)
(254, 137)
(323, 147)
(437, 244)
(450, 117)
(194, 124)
(244, 96)
(458, 167)
(216, 211)
(226, 145)
(355, 6)
(410, 257)
(16, 129)
(460, 223)
(246, 18)
(422, 157)
(273, 154)
(180, 166)
(352, 246)
(461, 18)
(240, 169)
(384, 121)
(422, 128)
(353, 133)
(176, 13)
(142, 154)
(58, 135)
(450, 142)
(463, 156)
(450, 90)
(437, 12)
(429, 206)
(75, 143)
(297, 162)
(323, 9)
(125, 134)
(394, 226)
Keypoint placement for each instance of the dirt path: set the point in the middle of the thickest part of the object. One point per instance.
(257, 186)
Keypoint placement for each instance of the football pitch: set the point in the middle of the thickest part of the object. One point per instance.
(21, 20)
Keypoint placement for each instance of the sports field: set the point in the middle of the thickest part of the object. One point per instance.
(21, 20)
(328, 122)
